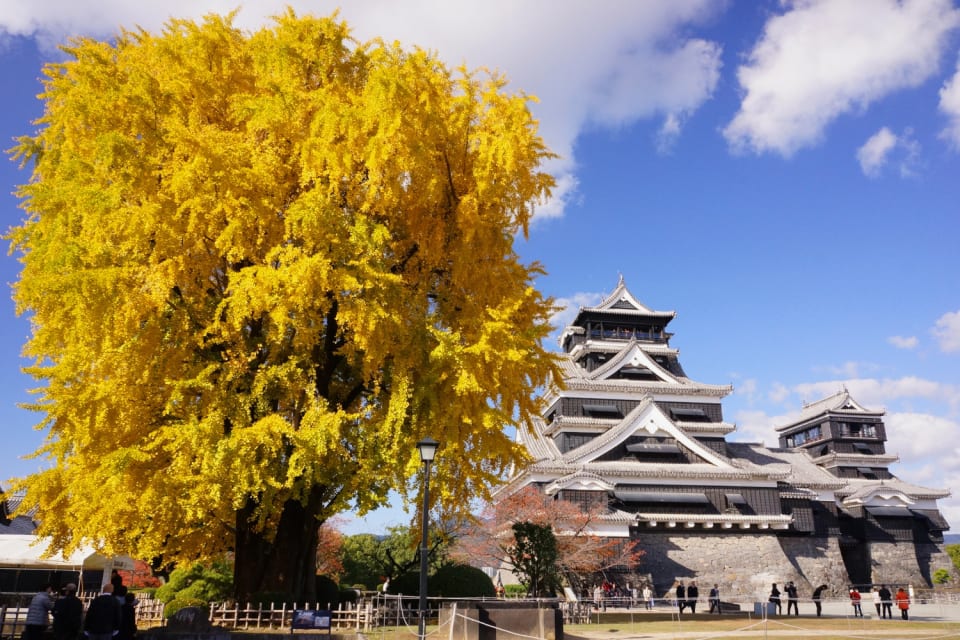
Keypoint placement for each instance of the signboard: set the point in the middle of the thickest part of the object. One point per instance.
(311, 619)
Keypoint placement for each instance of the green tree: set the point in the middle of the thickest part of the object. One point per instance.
(953, 550)
(259, 268)
(199, 582)
(534, 556)
(369, 559)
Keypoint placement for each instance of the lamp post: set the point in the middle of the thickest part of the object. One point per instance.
(428, 449)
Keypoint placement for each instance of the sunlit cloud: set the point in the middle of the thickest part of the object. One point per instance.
(822, 58)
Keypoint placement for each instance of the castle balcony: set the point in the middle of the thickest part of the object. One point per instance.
(720, 521)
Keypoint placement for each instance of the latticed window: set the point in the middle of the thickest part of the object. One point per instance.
(587, 500)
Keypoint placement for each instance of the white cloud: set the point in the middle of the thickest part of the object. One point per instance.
(950, 106)
(919, 438)
(605, 67)
(947, 332)
(903, 342)
(757, 426)
(567, 309)
(778, 392)
(872, 156)
(875, 393)
(824, 58)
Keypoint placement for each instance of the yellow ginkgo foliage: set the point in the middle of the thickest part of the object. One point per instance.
(260, 267)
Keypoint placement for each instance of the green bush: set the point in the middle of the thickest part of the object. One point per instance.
(207, 583)
(407, 584)
(514, 590)
(328, 592)
(182, 603)
(460, 581)
(941, 576)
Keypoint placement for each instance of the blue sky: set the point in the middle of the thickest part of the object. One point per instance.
(785, 175)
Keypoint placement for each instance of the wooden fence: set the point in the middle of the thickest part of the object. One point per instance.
(260, 616)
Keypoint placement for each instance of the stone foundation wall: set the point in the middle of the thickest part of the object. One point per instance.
(745, 565)
(906, 563)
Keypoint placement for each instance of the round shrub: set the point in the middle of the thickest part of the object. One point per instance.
(460, 581)
(328, 592)
(182, 603)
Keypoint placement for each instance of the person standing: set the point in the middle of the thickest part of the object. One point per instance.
(128, 618)
(855, 601)
(792, 603)
(885, 602)
(775, 598)
(817, 597)
(38, 614)
(903, 603)
(68, 615)
(875, 597)
(693, 593)
(715, 598)
(103, 616)
(681, 596)
(647, 597)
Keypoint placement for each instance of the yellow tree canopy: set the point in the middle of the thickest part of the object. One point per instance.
(261, 266)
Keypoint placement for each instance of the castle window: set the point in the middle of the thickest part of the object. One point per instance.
(689, 415)
(602, 411)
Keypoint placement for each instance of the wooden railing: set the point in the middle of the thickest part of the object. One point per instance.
(260, 616)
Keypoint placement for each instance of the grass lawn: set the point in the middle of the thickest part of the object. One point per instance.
(726, 629)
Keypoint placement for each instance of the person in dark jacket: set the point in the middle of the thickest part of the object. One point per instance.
(775, 598)
(681, 596)
(792, 602)
(692, 594)
(103, 616)
(68, 614)
(817, 597)
(128, 618)
(38, 614)
(886, 602)
(715, 599)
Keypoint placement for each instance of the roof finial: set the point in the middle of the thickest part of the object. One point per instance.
(621, 280)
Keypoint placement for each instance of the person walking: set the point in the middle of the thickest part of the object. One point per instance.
(693, 593)
(681, 596)
(855, 601)
(775, 598)
(792, 602)
(817, 597)
(38, 614)
(647, 597)
(715, 598)
(103, 616)
(885, 602)
(875, 598)
(903, 603)
(68, 615)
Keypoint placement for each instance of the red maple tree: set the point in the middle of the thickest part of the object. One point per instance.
(582, 552)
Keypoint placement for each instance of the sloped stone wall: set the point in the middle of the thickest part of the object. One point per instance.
(743, 564)
(903, 563)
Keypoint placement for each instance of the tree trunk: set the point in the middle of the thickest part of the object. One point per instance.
(285, 566)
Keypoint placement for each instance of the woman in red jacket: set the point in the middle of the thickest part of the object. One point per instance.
(903, 602)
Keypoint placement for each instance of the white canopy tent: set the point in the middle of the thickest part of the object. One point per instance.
(27, 552)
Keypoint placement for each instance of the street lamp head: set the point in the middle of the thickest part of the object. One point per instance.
(428, 449)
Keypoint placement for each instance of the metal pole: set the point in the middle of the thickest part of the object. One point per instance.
(422, 631)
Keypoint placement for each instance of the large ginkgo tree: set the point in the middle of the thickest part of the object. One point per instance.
(259, 267)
